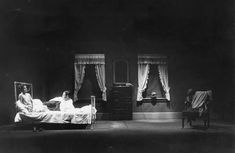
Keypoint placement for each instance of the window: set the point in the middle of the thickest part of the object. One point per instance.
(93, 66)
(154, 84)
(152, 77)
(90, 85)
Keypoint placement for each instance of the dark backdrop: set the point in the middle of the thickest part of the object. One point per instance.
(38, 41)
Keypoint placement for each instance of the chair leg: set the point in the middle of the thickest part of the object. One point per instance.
(205, 123)
(182, 122)
(190, 122)
(208, 121)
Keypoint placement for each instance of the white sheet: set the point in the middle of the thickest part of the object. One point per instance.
(82, 115)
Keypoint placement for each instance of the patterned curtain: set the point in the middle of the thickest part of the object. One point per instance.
(80, 63)
(143, 71)
(163, 73)
(90, 59)
(100, 74)
(79, 76)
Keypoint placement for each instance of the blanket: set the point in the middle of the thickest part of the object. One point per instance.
(41, 113)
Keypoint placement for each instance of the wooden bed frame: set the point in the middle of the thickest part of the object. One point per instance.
(38, 126)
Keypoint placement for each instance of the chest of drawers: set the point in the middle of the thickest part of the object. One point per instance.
(121, 103)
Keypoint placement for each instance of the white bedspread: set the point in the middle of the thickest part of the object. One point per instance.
(76, 116)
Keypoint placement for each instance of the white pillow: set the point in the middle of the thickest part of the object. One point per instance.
(20, 107)
(38, 105)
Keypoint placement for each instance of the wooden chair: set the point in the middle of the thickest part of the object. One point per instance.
(198, 108)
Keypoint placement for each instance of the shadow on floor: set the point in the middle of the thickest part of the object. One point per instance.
(122, 137)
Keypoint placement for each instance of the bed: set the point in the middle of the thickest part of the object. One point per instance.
(41, 114)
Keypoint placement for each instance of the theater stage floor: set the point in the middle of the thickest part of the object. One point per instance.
(123, 137)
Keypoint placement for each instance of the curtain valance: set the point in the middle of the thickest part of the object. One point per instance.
(152, 59)
(89, 59)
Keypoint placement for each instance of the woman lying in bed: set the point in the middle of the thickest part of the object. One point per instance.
(66, 104)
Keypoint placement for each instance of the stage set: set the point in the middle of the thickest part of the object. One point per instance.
(117, 76)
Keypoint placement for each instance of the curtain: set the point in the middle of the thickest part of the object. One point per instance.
(152, 59)
(100, 74)
(90, 59)
(163, 74)
(80, 63)
(79, 76)
(143, 70)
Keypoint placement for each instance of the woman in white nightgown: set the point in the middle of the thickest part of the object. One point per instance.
(25, 100)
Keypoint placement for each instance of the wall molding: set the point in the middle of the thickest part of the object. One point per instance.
(144, 116)
(149, 116)
(156, 115)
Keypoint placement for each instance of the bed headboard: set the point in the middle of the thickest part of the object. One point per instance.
(17, 91)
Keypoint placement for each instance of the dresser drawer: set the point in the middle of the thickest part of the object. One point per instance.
(121, 103)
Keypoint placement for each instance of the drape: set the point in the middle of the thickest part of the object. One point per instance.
(90, 59)
(80, 63)
(79, 76)
(100, 74)
(152, 59)
(163, 74)
(143, 70)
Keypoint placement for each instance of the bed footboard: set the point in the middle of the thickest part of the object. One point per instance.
(93, 114)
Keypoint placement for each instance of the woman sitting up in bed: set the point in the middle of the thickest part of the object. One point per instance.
(25, 102)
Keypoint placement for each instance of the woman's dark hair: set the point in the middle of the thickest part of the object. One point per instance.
(21, 87)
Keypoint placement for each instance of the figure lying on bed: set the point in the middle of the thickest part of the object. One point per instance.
(65, 103)
(33, 110)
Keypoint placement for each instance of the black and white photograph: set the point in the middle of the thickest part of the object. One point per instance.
(117, 76)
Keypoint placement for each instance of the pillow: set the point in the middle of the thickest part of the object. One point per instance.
(38, 106)
(21, 107)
